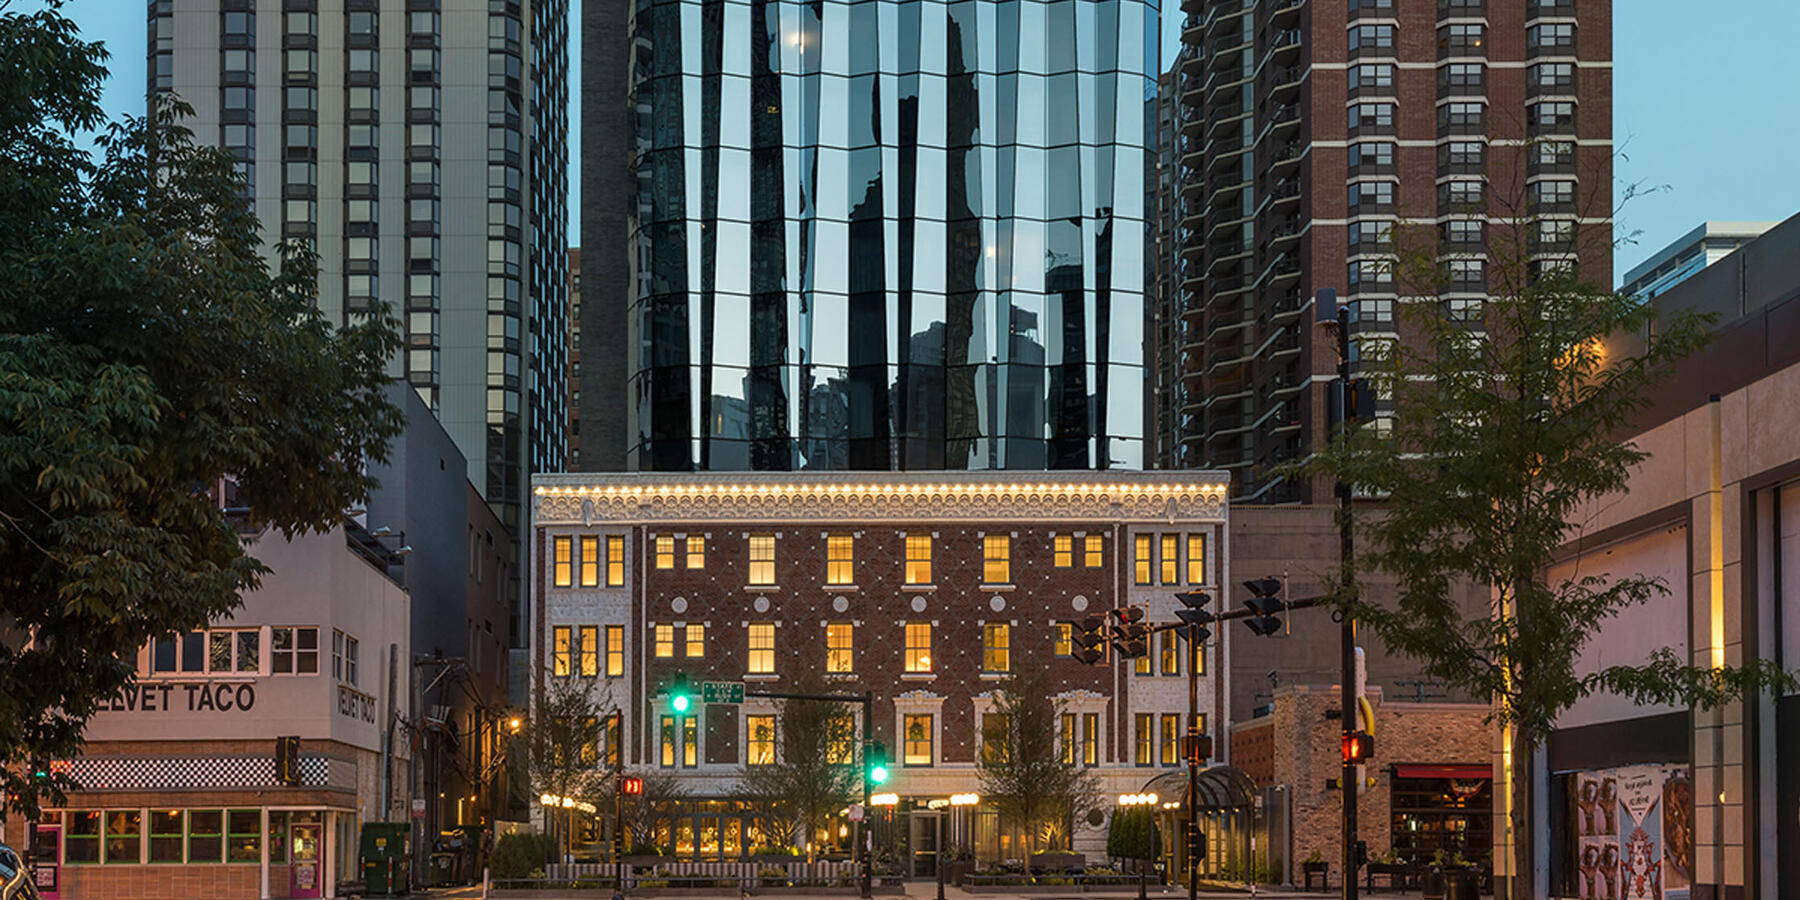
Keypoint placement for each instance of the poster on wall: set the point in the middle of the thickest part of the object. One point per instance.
(1633, 833)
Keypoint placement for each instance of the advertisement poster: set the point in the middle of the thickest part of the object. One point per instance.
(1633, 833)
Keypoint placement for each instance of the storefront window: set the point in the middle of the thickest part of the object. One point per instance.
(1437, 813)
(81, 843)
(124, 832)
(165, 836)
(278, 827)
(206, 835)
(244, 838)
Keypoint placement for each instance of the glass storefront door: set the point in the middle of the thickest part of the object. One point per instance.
(926, 838)
(305, 868)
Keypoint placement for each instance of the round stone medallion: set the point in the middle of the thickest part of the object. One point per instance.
(1080, 603)
(761, 604)
(918, 604)
(840, 604)
(996, 603)
(679, 605)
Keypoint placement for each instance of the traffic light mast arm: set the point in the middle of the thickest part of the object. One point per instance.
(1244, 613)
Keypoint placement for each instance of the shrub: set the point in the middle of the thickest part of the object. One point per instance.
(516, 855)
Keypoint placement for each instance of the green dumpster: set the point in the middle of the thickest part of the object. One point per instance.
(384, 858)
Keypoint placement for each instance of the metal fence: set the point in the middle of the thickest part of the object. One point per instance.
(654, 872)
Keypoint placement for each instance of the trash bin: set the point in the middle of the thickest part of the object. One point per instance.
(443, 869)
(385, 859)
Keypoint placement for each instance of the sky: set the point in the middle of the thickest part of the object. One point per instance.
(1703, 109)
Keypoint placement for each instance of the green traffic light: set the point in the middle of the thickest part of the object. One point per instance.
(878, 774)
(680, 702)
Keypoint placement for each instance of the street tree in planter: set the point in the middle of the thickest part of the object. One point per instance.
(1506, 416)
(812, 772)
(153, 370)
(1021, 767)
(567, 752)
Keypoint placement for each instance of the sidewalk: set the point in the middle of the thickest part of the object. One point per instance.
(927, 890)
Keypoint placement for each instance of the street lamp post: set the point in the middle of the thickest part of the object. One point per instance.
(1329, 313)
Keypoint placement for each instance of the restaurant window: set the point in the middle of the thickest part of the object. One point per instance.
(996, 559)
(918, 559)
(344, 654)
(81, 840)
(294, 651)
(562, 575)
(690, 741)
(840, 559)
(206, 835)
(243, 842)
(839, 647)
(233, 650)
(762, 559)
(124, 831)
(615, 651)
(590, 560)
(918, 647)
(667, 756)
(760, 740)
(762, 648)
(165, 837)
(917, 741)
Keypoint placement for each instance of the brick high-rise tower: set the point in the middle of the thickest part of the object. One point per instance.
(1310, 127)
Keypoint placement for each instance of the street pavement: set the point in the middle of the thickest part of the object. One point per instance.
(926, 890)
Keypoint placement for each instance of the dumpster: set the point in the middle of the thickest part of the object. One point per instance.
(385, 858)
(443, 870)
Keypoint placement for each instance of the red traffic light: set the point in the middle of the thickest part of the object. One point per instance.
(1359, 746)
(633, 786)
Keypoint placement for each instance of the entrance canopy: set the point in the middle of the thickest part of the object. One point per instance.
(1218, 787)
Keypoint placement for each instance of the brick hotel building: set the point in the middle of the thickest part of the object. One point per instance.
(925, 588)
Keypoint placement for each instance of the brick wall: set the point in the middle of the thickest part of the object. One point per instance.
(217, 882)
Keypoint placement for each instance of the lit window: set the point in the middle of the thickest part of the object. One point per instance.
(1068, 739)
(590, 560)
(665, 640)
(1196, 561)
(840, 559)
(994, 727)
(1090, 739)
(760, 737)
(665, 551)
(1065, 639)
(997, 558)
(1064, 547)
(590, 651)
(690, 741)
(918, 559)
(615, 651)
(840, 739)
(563, 576)
(668, 742)
(1141, 665)
(1141, 753)
(762, 648)
(1171, 739)
(1171, 559)
(839, 640)
(1094, 551)
(918, 646)
(996, 648)
(917, 746)
(1140, 563)
(696, 641)
(615, 560)
(762, 559)
(1171, 654)
(560, 656)
(696, 553)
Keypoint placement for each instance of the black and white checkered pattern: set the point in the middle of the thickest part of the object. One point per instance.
(152, 773)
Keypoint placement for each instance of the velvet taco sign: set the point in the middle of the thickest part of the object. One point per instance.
(163, 697)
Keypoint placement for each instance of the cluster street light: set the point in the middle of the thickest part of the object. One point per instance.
(1139, 800)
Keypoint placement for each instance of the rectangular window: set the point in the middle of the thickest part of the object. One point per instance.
(294, 651)
(840, 559)
(667, 756)
(993, 737)
(81, 840)
(997, 558)
(1140, 562)
(590, 651)
(1171, 559)
(1068, 739)
(1372, 155)
(562, 575)
(762, 559)
(337, 654)
(996, 648)
(665, 640)
(1064, 549)
(615, 651)
(244, 840)
(233, 651)
(559, 659)
(1095, 551)
(696, 641)
(1090, 739)
(1196, 559)
(1171, 653)
(590, 560)
(1065, 639)
(690, 741)
(1379, 194)
(759, 737)
(918, 559)
(206, 835)
(839, 647)
(1171, 739)
(696, 552)
(665, 551)
(1141, 754)
(916, 749)
(165, 837)
(918, 646)
(762, 648)
(615, 560)
(840, 741)
(124, 831)
(1141, 665)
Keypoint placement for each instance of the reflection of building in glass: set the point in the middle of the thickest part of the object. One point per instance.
(1690, 253)
(885, 231)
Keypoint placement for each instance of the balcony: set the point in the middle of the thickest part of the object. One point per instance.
(1370, 9)
(1540, 9)
(1456, 9)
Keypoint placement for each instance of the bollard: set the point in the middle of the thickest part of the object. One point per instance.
(940, 876)
(1141, 886)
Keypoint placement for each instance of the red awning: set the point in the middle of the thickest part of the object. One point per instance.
(1443, 770)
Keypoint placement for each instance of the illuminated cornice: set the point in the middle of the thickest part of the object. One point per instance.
(567, 499)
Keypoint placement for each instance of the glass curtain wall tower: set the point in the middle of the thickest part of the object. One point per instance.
(884, 234)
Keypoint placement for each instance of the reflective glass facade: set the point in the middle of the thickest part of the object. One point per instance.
(889, 235)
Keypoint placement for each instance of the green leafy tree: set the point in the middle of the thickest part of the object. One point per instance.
(150, 362)
(567, 748)
(1021, 768)
(814, 772)
(1506, 424)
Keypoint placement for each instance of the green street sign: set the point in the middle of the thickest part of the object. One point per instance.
(721, 692)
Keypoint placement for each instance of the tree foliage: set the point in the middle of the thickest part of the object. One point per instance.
(148, 353)
(1506, 428)
(1021, 767)
(814, 773)
(567, 738)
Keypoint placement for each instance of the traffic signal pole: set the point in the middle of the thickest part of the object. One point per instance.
(1193, 786)
(1347, 550)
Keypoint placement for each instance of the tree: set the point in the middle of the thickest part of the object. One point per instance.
(1506, 424)
(656, 809)
(813, 774)
(568, 742)
(1021, 768)
(152, 370)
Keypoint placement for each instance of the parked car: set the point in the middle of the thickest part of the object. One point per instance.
(15, 877)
